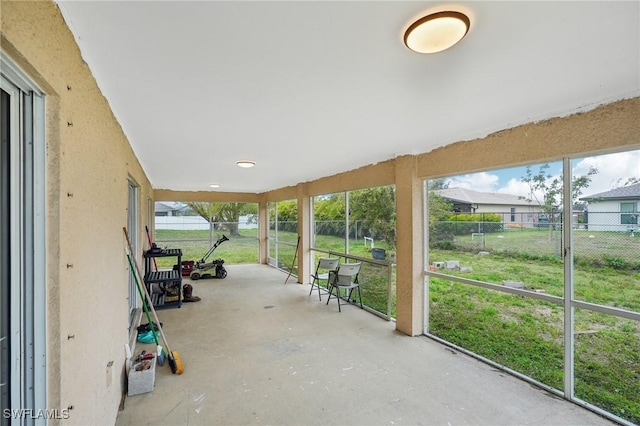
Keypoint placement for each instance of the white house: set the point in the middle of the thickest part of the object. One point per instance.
(172, 209)
(615, 210)
(514, 210)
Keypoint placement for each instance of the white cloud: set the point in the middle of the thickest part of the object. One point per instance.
(613, 170)
(515, 187)
(483, 182)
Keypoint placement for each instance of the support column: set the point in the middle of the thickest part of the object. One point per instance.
(304, 233)
(263, 230)
(409, 247)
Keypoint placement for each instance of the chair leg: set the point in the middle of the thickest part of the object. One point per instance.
(312, 284)
(316, 283)
(331, 287)
(351, 299)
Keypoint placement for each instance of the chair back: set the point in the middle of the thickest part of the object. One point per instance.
(347, 274)
(328, 263)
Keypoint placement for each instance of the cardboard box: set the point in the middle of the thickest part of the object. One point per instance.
(141, 381)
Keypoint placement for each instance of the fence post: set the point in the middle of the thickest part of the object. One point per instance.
(389, 290)
(210, 231)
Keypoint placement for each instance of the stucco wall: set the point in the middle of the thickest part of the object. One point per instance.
(185, 196)
(615, 126)
(89, 161)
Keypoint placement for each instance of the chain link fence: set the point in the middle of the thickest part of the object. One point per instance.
(600, 237)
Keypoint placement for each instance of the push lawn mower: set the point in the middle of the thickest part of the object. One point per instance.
(213, 269)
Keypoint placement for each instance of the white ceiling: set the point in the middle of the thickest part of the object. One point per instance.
(311, 88)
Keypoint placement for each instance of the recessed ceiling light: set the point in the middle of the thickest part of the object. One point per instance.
(436, 32)
(246, 163)
(214, 185)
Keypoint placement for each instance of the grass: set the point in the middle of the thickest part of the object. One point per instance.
(606, 286)
(521, 333)
(196, 243)
(607, 366)
(509, 330)
(587, 245)
(526, 335)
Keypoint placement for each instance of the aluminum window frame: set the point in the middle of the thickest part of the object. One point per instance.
(568, 302)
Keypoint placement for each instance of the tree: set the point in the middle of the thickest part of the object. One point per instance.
(227, 215)
(288, 211)
(330, 207)
(329, 214)
(630, 181)
(549, 189)
(439, 210)
(287, 216)
(376, 208)
(435, 184)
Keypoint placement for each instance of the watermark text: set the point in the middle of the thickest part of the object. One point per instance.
(29, 413)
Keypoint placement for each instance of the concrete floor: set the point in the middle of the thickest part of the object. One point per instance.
(258, 352)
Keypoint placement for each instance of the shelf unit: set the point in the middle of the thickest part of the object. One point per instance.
(165, 286)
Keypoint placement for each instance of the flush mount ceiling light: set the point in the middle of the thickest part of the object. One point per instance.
(245, 163)
(214, 185)
(436, 32)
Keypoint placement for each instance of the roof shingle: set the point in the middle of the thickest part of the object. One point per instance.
(474, 197)
(622, 193)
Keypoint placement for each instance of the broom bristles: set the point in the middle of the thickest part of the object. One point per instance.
(177, 367)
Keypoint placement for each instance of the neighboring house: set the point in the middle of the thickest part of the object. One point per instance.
(513, 209)
(166, 209)
(615, 210)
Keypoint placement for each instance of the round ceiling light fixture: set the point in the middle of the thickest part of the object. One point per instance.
(214, 185)
(245, 163)
(436, 32)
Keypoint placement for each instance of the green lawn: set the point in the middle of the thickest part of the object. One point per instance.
(598, 247)
(603, 285)
(526, 335)
(195, 244)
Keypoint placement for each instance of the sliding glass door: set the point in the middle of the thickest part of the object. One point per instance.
(22, 243)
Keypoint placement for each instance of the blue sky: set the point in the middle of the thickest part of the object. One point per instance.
(613, 171)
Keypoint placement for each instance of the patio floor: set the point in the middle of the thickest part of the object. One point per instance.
(259, 352)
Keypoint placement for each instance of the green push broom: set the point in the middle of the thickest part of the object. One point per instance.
(144, 300)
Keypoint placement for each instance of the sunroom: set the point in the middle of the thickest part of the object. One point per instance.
(110, 107)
